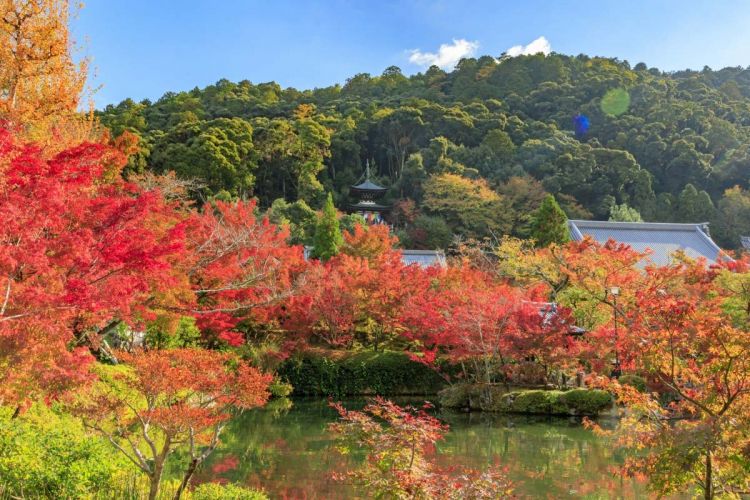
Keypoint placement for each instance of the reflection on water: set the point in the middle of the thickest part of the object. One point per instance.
(289, 454)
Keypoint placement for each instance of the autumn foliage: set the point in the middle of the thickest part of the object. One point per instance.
(238, 266)
(685, 333)
(491, 330)
(75, 252)
(399, 443)
(43, 84)
(82, 249)
(358, 296)
(169, 399)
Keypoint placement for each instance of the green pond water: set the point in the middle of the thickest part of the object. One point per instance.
(289, 453)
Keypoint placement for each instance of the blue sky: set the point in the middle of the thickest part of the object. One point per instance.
(143, 48)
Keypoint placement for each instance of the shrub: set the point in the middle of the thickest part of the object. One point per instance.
(586, 401)
(363, 373)
(534, 401)
(160, 334)
(494, 398)
(280, 389)
(45, 455)
(639, 383)
(216, 491)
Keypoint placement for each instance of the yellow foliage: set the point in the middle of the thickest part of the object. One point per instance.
(41, 86)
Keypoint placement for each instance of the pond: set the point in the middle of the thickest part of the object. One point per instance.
(289, 453)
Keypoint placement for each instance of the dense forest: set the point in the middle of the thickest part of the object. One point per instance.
(469, 152)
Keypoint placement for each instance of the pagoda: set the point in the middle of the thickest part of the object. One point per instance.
(368, 193)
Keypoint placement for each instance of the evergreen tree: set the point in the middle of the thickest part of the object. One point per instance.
(694, 205)
(549, 224)
(328, 239)
(624, 213)
(733, 218)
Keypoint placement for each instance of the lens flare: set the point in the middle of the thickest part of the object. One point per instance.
(615, 102)
(581, 124)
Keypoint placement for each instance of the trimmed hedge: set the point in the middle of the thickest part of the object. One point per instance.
(586, 401)
(535, 402)
(493, 398)
(365, 373)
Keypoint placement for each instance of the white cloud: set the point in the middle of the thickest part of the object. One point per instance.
(541, 44)
(447, 55)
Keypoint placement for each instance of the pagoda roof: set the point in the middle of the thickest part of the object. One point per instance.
(368, 185)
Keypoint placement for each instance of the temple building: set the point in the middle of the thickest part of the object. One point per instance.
(368, 194)
(662, 239)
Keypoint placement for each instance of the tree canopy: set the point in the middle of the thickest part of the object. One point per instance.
(652, 138)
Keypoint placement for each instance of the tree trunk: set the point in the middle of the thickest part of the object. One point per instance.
(709, 489)
(16, 412)
(186, 479)
(155, 478)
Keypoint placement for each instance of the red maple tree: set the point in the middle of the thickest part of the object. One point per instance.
(77, 249)
(399, 443)
(484, 325)
(358, 295)
(239, 267)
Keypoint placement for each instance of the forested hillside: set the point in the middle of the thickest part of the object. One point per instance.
(469, 152)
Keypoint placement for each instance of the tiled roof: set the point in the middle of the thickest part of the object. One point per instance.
(663, 239)
(424, 258)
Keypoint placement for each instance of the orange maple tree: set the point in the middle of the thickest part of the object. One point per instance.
(683, 327)
(696, 353)
(163, 400)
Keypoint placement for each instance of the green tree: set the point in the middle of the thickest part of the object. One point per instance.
(624, 213)
(549, 223)
(298, 217)
(399, 129)
(694, 205)
(733, 218)
(216, 152)
(487, 120)
(429, 232)
(524, 195)
(328, 238)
